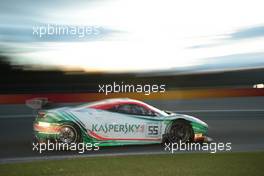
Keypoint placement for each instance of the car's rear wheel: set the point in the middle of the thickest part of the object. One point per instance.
(68, 134)
(180, 130)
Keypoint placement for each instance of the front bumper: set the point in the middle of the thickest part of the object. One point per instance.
(202, 138)
(200, 132)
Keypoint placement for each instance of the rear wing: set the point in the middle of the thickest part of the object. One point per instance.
(38, 103)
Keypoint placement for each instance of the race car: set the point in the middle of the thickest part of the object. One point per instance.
(119, 121)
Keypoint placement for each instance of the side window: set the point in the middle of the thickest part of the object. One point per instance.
(140, 110)
(124, 109)
(133, 109)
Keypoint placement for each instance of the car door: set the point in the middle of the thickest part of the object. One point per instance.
(125, 122)
(147, 124)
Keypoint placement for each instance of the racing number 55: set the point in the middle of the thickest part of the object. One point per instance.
(153, 130)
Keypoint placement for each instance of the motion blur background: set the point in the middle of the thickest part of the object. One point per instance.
(185, 45)
(210, 56)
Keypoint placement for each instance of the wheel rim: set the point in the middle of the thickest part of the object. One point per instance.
(67, 134)
(179, 132)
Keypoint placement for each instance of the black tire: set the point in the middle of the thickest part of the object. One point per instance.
(69, 133)
(180, 130)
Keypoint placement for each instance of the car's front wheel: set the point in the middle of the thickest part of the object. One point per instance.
(68, 134)
(180, 130)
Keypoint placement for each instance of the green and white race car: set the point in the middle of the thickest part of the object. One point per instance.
(113, 122)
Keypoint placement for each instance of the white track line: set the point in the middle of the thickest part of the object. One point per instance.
(223, 110)
(16, 116)
(61, 157)
(179, 111)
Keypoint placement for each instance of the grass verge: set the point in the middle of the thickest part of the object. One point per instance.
(199, 164)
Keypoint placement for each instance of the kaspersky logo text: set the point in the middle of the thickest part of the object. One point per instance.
(124, 128)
